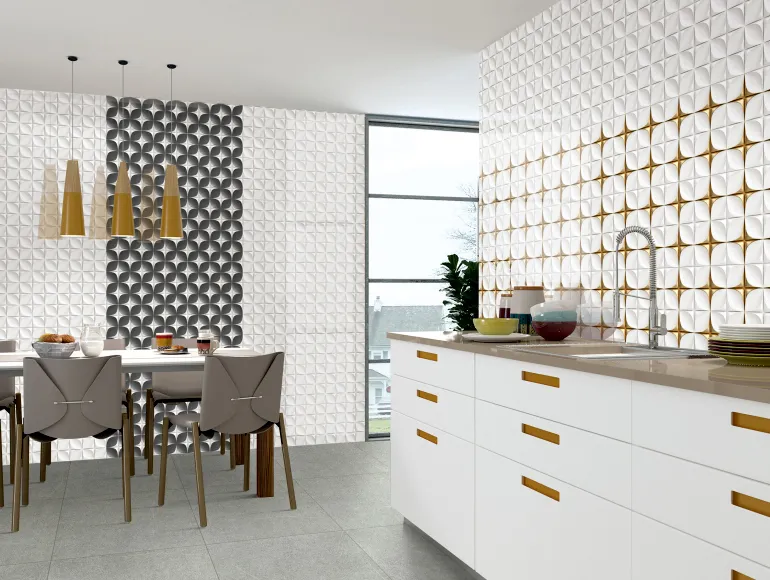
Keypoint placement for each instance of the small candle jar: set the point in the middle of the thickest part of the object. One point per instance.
(163, 340)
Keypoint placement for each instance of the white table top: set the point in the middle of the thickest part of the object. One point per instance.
(134, 361)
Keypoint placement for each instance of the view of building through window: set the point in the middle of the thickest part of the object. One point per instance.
(422, 207)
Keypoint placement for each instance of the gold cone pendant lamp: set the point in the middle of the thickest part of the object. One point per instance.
(171, 212)
(122, 207)
(72, 222)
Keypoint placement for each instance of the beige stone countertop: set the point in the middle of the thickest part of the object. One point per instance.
(703, 375)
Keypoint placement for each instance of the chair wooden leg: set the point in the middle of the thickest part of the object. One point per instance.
(246, 459)
(25, 471)
(126, 470)
(2, 483)
(199, 475)
(17, 479)
(287, 462)
(43, 461)
(265, 460)
(48, 453)
(222, 441)
(232, 451)
(130, 410)
(163, 462)
(150, 431)
(12, 448)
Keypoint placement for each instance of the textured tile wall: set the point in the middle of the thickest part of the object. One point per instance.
(300, 230)
(303, 261)
(600, 114)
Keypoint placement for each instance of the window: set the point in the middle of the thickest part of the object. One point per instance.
(422, 204)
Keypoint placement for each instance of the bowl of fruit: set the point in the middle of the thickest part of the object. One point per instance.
(55, 345)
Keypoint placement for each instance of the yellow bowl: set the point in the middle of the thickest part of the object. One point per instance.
(496, 326)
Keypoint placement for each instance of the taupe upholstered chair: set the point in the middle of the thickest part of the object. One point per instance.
(69, 399)
(241, 396)
(10, 401)
(169, 388)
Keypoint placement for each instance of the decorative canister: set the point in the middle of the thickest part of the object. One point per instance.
(522, 301)
(504, 306)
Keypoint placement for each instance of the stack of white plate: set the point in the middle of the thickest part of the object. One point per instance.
(745, 331)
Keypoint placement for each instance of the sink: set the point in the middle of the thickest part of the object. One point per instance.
(614, 352)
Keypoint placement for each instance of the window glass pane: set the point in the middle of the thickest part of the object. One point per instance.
(423, 162)
(402, 307)
(379, 399)
(411, 238)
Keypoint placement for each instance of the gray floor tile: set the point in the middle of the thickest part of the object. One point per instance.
(378, 449)
(240, 516)
(97, 528)
(34, 541)
(112, 488)
(36, 571)
(331, 556)
(355, 515)
(188, 563)
(405, 553)
(53, 487)
(333, 460)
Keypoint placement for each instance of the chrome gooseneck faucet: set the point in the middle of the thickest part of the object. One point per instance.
(657, 325)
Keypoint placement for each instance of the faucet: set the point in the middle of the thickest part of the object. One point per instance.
(657, 324)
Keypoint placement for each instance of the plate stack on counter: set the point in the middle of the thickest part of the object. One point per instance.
(743, 344)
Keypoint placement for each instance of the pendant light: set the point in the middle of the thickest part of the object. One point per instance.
(171, 213)
(122, 207)
(72, 222)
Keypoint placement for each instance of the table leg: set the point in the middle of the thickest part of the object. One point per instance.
(265, 475)
(239, 449)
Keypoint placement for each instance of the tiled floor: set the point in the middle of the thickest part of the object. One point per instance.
(343, 528)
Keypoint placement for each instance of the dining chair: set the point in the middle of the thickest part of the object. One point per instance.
(241, 396)
(69, 399)
(170, 388)
(10, 402)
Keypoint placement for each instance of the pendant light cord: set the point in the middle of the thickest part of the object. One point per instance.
(72, 106)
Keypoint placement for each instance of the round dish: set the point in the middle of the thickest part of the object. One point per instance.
(747, 361)
(496, 326)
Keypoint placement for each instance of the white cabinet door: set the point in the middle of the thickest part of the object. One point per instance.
(663, 553)
(591, 402)
(531, 526)
(440, 408)
(432, 483)
(721, 508)
(441, 367)
(722, 432)
(592, 462)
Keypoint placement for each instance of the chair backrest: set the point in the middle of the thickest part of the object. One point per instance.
(7, 384)
(241, 391)
(180, 378)
(72, 398)
(114, 344)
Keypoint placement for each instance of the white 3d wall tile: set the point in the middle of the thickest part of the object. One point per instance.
(600, 115)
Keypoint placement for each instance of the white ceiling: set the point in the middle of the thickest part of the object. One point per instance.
(398, 57)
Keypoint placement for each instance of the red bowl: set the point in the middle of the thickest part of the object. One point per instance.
(554, 331)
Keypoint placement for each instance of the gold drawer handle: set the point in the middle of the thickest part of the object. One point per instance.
(427, 436)
(751, 422)
(540, 488)
(427, 396)
(427, 355)
(753, 504)
(739, 576)
(540, 379)
(540, 434)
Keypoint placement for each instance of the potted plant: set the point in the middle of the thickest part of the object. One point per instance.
(462, 291)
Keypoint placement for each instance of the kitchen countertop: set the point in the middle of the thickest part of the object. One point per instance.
(713, 376)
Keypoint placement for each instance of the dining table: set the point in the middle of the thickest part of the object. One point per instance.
(152, 361)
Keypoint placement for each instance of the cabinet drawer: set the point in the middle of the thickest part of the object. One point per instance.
(432, 483)
(440, 367)
(591, 402)
(721, 432)
(446, 410)
(721, 508)
(663, 553)
(534, 527)
(591, 462)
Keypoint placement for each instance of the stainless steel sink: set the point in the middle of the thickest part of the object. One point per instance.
(614, 352)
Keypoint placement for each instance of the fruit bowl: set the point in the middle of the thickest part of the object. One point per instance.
(496, 326)
(54, 349)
